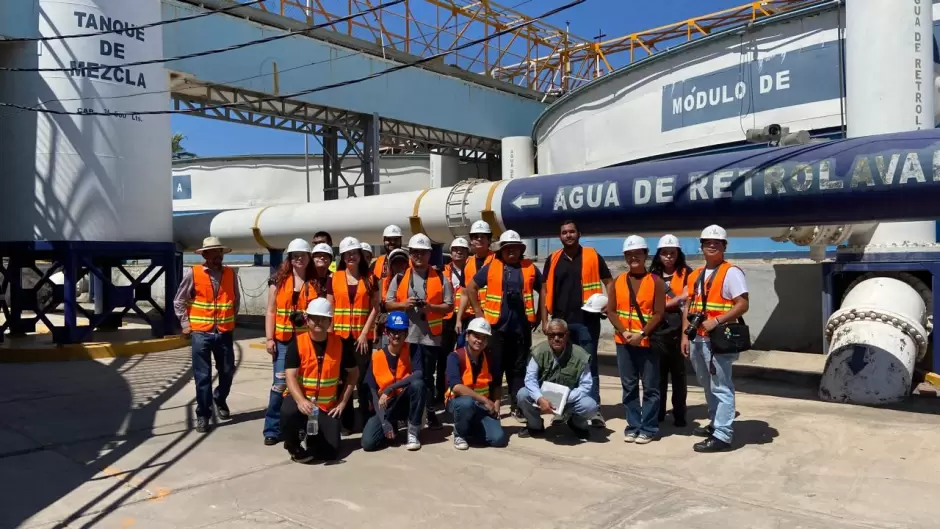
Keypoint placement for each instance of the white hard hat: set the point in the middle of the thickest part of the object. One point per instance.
(397, 252)
(298, 245)
(366, 247)
(460, 242)
(391, 231)
(596, 303)
(323, 248)
(480, 326)
(509, 237)
(349, 244)
(714, 232)
(634, 242)
(320, 307)
(480, 226)
(419, 241)
(668, 241)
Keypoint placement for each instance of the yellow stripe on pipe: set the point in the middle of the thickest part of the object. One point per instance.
(256, 231)
(414, 221)
(488, 214)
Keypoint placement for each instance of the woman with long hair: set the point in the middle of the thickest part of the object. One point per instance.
(669, 263)
(289, 291)
(355, 300)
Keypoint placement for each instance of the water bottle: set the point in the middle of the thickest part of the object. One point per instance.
(313, 422)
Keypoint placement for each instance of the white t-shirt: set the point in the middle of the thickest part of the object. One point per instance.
(735, 285)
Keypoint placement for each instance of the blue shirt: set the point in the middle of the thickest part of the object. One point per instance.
(512, 317)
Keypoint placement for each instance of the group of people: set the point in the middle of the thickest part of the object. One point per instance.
(411, 339)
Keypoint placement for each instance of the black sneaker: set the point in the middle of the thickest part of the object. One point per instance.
(433, 422)
(300, 456)
(680, 422)
(703, 431)
(271, 440)
(202, 424)
(711, 445)
(581, 433)
(518, 416)
(222, 411)
(526, 433)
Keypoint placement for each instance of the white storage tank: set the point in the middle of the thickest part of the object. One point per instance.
(86, 177)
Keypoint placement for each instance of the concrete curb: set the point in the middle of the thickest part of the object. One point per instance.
(91, 350)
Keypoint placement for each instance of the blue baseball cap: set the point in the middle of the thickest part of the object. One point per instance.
(397, 321)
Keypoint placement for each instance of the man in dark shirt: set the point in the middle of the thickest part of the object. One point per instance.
(572, 274)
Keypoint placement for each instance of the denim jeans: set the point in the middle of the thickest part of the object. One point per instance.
(272, 417)
(719, 388)
(580, 409)
(429, 359)
(473, 422)
(208, 346)
(587, 335)
(636, 364)
(408, 404)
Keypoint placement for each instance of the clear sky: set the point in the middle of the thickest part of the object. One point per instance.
(612, 18)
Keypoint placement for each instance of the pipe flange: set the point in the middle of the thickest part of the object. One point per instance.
(913, 281)
(832, 235)
(877, 315)
(804, 235)
(784, 236)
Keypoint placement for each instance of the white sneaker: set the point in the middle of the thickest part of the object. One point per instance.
(460, 443)
(413, 442)
(630, 437)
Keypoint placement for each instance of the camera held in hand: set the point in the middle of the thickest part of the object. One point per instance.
(298, 318)
(419, 305)
(695, 321)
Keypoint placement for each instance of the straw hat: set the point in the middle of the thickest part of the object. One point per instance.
(213, 243)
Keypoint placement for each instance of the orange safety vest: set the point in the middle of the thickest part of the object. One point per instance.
(434, 294)
(470, 270)
(377, 268)
(625, 311)
(590, 277)
(677, 282)
(210, 310)
(493, 304)
(482, 383)
(458, 293)
(350, 315)
(716, 304)
(320, 383)
(383, 374)
(284, 330)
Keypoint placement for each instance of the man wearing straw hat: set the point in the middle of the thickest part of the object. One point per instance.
(206, 305)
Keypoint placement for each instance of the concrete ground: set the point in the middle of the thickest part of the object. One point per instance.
(110, 443)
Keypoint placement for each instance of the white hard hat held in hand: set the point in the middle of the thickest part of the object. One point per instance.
(480, 226)
(480, 326)
(634, 242)
(298, 245)
(597, 303)
(419, 241)
(460, 242)
(323, 248)
(668, 241)
(348, 244)
(715, 232)
(320, 307)
(391, 231)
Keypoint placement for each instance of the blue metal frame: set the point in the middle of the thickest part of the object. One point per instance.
(887, 262)
(76, 259)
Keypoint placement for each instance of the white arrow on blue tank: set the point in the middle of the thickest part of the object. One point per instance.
(527, 201)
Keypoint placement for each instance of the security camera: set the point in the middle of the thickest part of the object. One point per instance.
(769, 134)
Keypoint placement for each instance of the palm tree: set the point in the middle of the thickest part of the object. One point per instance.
(177, 149)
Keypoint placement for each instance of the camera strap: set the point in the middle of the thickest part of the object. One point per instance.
(633, 302)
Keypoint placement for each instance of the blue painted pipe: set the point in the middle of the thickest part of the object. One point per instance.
(875, 178)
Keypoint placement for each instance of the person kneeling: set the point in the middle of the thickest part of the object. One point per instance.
(469, 375)
(398, 392)
(313, 363)
(560, 362)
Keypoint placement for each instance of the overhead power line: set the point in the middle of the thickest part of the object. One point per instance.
(349, 82)
(145, 26)
(216, 50)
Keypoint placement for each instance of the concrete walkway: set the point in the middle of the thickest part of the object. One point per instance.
(110, 444)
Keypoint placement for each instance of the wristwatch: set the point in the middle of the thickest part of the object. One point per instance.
(643, 334)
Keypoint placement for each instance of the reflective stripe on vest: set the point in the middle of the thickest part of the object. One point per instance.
(458, 293)
(493, 304)
(310, 375)
(210, 310)
(383, 374)
(283, 328)
(471, 270)
(349, 316)
(645, 296)
(716, 304)
(484, 379)
(590, 277)
(434, 295)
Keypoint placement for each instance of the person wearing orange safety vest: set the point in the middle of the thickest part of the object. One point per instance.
(481, 237)
(572, 275)
(381, 271)
(453, 272)
(511, 283)
(636, 302)
(397, 386)
(314, 401)
(206, 305)
(468, 398)
(324, 237)
(355, 299)
(290, 289)
(426, 297)
(717, 296)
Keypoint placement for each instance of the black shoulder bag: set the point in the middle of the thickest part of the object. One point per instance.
(653, 337)
(726, 337)
(671, 327)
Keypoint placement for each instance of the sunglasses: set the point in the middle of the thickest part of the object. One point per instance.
(556, 334)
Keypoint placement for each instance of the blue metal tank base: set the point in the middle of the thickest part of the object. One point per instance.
(76, 260)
